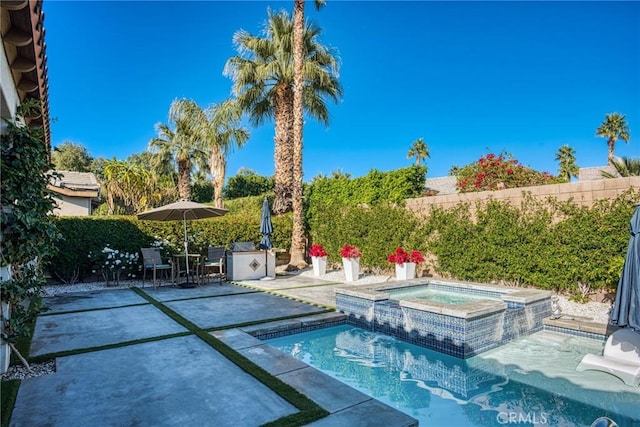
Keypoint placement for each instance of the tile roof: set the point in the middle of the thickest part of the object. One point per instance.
(77, 180)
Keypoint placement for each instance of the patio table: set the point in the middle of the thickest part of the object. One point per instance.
(195, 266)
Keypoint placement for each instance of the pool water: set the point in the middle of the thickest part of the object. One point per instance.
(528, 382)
(438, 295)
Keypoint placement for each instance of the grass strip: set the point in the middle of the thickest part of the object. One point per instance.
(273, 292)
(308, 286)
(258, 322)
(8, 394)
(73, 352)
(9, 388)
(83, 310)
(298, 299)
(211, 296)
(309, 410)
(23, 343)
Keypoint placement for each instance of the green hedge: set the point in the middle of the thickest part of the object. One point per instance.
(375, 187)
(376, 230)
(542, 243)
(546, 244)
(82, 235)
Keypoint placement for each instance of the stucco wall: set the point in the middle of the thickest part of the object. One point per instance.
(72, 206)
(582, 193)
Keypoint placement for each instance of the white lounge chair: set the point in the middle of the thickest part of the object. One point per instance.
(621, 357)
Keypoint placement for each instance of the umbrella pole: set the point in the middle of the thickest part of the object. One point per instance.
(186, 246)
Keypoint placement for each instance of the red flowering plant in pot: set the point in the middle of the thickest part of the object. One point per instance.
(406, 263)
(351, 262)
(317, 251)
(318, 259)
(349, 251)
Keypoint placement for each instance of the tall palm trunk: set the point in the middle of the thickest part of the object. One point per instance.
(218, 170)
(298, 234)
(611, 144)
(184, 177)
(283, 152)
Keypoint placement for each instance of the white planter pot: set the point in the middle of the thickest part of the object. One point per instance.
(406, 271)
(351, 269)
(319, 265)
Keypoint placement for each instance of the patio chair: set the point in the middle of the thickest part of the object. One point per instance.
(152, 260)
(215, 262)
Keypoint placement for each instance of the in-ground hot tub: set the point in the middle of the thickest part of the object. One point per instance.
(457, 318)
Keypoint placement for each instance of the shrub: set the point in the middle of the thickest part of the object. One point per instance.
(546, 244)
(496, 172)
(113, 263)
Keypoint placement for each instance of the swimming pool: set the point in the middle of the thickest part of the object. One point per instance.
(513, 384)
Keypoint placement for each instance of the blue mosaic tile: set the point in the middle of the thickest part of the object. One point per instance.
(575, 332)
(299, 329)
(455, 336)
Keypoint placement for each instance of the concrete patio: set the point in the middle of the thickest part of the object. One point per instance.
(122, 360)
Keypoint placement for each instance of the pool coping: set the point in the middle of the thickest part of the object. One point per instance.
(344, 403)
(470, 310)
(579, 327)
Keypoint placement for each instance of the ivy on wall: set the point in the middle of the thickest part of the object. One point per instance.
(28, 231)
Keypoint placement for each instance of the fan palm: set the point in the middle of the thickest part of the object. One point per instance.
(298, 235)
(613, 127)
(183, 145)
(566, 156)
(419, 149)
(224, 132)
(263, 82)
(625, 166)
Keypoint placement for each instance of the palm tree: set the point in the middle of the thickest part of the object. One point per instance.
(613, 127)
(625, 166)
(224, 132)
(419, 150)
(164, 179)
(128, 183)
(566, 156)
(184, 144)
(263, 77)
(297, 251)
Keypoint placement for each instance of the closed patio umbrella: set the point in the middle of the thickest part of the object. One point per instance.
(182, 210)
(626, 309)
(266, 228)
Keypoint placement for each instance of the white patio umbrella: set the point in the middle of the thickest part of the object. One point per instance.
(182, 210)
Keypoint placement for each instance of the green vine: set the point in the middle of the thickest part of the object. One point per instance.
(28, 233)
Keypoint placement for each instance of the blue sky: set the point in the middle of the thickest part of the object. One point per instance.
(467, 77)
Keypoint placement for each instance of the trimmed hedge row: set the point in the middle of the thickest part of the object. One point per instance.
(82, 235)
